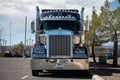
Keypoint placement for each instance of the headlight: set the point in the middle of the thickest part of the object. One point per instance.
(80, 51)
(39, 51)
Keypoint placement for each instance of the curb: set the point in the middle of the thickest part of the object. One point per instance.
(95, 76)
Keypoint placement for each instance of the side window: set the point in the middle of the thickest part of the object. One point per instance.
(41, 25)
(76, 26)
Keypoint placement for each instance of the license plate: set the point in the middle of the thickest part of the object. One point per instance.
(59, 65)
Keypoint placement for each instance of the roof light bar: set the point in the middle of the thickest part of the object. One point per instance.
(59, 17)
(59, 10)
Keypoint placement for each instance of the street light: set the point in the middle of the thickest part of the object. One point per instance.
(32, 41)
(5, 44)
(29, 41)
(1, 37)
(10, 35)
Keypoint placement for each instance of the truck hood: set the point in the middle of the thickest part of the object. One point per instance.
(59, 32)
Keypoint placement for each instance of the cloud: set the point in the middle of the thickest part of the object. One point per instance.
(77, 4)
(51, 4)
(14, 7)
(14, 11)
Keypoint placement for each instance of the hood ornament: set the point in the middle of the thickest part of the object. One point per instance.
(59, 29)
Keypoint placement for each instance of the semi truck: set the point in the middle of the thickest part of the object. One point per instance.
(59, 39)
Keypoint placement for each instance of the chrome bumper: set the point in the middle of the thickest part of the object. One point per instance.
(59, 64)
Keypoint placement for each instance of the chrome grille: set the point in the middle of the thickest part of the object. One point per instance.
(59, 45)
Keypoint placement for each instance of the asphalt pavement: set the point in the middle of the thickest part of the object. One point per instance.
(19, 69)
(105, 70)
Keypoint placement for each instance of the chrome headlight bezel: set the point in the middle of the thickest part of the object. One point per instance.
(76, 39)
(42, 38)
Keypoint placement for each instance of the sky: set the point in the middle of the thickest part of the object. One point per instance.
(14, 12)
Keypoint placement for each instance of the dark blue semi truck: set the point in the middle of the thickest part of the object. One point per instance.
(58, 41)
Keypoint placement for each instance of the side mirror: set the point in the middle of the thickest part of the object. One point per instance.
(32, 27)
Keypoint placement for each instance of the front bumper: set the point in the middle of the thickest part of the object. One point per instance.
(59, 64)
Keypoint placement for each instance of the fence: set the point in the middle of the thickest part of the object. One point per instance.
(99, 51)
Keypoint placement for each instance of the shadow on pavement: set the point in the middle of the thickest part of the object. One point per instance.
(104, 69)
(65, 74)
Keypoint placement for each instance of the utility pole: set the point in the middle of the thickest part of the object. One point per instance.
(1, 39)
(25, 35)
(32, 41)
(29, 41)
(10, 36)
(0, 46)
(5, 44)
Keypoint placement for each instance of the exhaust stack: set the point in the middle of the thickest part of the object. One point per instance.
(82, 20)
(37, 24)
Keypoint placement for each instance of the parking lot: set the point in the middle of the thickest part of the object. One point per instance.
(105, 70)
(19, 69)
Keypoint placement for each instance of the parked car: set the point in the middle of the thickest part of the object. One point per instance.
(27, 54)
(17, 54)
(109, 55)
(7, 54)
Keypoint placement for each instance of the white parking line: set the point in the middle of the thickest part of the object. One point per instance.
(24, 77)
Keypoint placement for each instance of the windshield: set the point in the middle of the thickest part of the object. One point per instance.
(69, 25)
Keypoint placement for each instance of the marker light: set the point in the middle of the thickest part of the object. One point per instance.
(34, 44)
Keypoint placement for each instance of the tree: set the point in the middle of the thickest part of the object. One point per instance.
(19, 47)
(92, 36)
(111, 26)
(119, 1)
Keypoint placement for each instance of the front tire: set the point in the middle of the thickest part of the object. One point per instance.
(35, 72)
